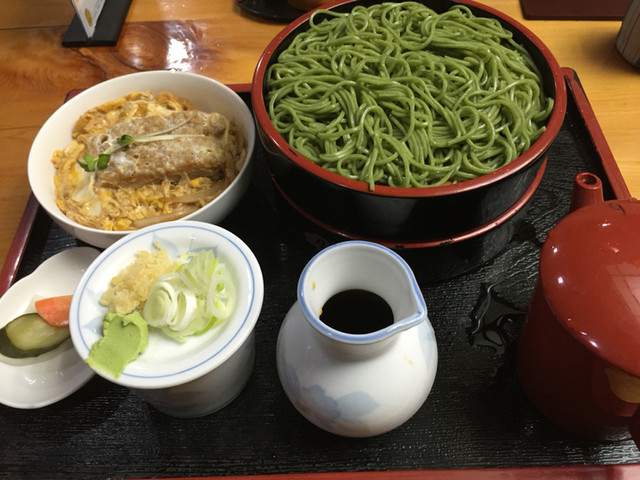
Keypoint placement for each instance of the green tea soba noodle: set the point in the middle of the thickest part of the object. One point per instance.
(397, 94)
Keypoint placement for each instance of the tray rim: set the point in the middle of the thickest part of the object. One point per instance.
(581, 472)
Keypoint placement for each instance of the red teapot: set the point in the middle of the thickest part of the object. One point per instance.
(578, 355)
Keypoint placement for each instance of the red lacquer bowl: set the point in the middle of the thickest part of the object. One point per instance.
(405, 215)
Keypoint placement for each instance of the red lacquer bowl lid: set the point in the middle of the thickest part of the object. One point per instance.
(590, 273)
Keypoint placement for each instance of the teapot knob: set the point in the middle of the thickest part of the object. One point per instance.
(587, 190)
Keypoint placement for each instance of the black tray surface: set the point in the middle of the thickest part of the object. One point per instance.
(477, 416)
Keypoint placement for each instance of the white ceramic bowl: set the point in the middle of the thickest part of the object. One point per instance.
(206, 372)
(205, 93)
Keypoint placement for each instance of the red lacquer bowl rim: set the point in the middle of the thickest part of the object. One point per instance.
(534, 152)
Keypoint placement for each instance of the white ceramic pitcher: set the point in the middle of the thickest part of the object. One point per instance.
(364, 384)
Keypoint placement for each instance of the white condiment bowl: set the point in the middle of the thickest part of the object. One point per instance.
(207, 371)
(205, 93)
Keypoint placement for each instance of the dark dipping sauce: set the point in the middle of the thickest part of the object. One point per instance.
(356, 311)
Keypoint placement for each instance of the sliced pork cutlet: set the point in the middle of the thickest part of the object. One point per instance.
(198, 149)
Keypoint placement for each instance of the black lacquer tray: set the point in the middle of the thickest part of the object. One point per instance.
(477, 416)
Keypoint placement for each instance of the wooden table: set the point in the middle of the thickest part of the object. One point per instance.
(220, 40)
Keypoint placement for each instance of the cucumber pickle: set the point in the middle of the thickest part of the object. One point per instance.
(29, 336)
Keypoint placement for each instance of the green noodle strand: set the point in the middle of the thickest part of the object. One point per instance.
(397, 94)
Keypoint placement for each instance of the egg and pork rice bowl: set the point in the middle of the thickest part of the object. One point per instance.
(145, 158)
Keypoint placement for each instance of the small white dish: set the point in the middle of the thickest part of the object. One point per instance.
(40, 381)
(207, 371)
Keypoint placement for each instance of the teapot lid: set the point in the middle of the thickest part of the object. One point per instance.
(590, 274)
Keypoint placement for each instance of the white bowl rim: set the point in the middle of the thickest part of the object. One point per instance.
(32, 163)
(214, 354)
